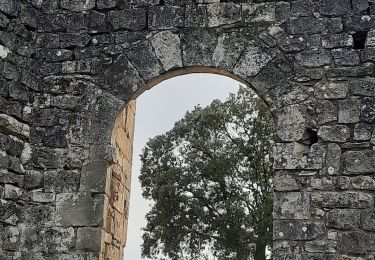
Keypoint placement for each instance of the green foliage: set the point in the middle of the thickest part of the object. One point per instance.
(210, 180)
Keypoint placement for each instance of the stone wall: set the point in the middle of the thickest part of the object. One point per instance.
(68, 68)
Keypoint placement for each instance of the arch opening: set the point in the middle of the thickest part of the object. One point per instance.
(123, 137)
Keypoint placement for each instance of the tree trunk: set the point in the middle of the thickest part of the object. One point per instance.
(260, 252)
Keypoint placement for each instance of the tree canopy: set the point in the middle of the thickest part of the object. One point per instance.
(210, 180)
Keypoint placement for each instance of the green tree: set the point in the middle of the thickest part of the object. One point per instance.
(210, 180)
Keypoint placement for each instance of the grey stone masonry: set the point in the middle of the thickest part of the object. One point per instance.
(69, 69)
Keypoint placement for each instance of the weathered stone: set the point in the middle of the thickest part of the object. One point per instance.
(313, 59)
(343, 182)
(363, 183)
(362, 87)
(89, 239)
(10, 125)
(104, 4)
(291, 128)
(229, 47)
(298, 156)
(334, 25)
(345, 199)
(48, 158)
(259, 12)
(368, 110)
(285, 182)
(331, 90)
(291, 205)
(324, 183)
(7, 177)
(165, 17)
(337, 133)
(344, 57)
(297, 230)
(362, 132)
(79, 209)
(167, 49)
(337, 40)
(77, 6)
(12, 192)
(360, 6)
(354, 242)
(302, 8)
(96, 21)
(195, 52)
(9, 7)
(368, 220)
(223, 14)
(323, 246)
(133, 19)
(359, 23)
(349, 111)
(334, 7)
(292, 43)
(145, 62)
(327, 112)
(252, 61)
(42, 197)
(33, 179)
(333, 159)
(370, 40)
(302, 25)
(345, 219)
(359, 162)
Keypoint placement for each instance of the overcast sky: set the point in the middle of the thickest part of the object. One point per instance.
(157, 110)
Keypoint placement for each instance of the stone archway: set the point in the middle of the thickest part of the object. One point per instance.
(69, 67)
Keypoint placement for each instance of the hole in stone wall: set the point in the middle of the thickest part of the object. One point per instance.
(311, 137)
(359, 39)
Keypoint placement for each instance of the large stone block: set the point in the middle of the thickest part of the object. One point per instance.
(80, 209)
(167, 48)
(297, 156)
(349, 111)
(359, 162)
(362, 87)
(10, 125)
(259, 12)
(94, 173)
(368, 110)
(337, 133)
(333, 159)
(363, 182)
(131, 19)
(346, 199)
(165, 17)
(291, 123)
(229, 47)
(334, 7)
(143, 57)
(354, 242)
(253, 59)
(297, 230)
(302, 25)
(223, 14)
(77, 6)
(345, 219)
(311, 59)
(291, 205)
(368, 220)
(90, 239)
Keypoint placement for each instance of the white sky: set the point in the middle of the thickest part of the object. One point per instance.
(157, 111)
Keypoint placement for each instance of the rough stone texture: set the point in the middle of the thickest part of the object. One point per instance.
(68, 70)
